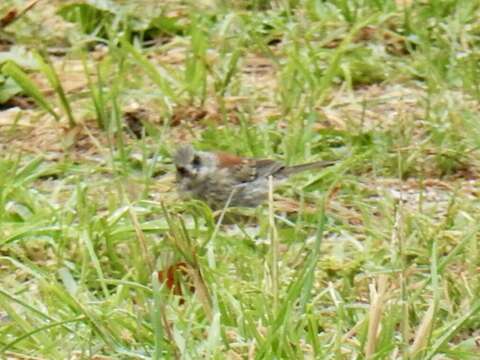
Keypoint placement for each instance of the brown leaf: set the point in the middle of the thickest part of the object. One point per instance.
(188, 114)
(8, 18)
(172, 276)
(14, 14)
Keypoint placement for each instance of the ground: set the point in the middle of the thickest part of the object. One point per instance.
(376, 257)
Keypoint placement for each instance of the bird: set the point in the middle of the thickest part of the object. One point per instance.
(222, 179)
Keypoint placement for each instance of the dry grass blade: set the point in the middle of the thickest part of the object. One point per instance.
(377, 303)
(141, 238)
(423, 332)
(202, 292)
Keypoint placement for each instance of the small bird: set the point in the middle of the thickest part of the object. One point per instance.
(220, 178)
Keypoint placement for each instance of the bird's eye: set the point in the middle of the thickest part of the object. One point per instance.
(196, 161)
(182, 171)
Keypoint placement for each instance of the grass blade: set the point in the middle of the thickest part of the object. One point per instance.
(21, 78)
(48, 70)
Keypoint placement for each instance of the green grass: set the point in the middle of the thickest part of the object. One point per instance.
(377, 257)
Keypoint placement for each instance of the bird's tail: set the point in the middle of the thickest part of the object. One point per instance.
(292, 170)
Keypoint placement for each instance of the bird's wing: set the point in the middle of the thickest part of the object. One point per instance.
(246, 169)
(267, 167)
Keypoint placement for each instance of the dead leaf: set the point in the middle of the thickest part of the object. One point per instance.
(8, 18)
(172, 277)
(14, 14)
